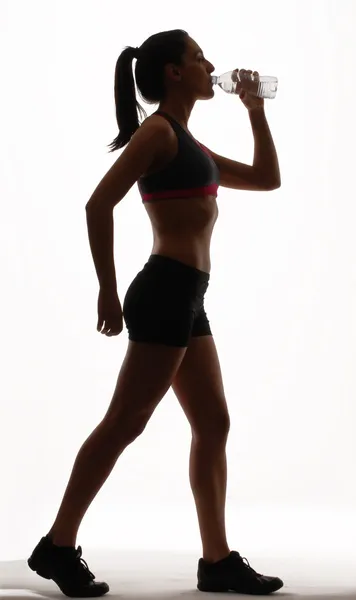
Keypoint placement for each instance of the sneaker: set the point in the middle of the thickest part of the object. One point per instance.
(232, 574)
(66, 568)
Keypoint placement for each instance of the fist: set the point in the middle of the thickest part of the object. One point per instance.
(247, 87)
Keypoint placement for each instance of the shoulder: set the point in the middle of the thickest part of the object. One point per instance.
(157, 121)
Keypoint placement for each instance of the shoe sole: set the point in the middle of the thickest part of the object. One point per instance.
(216, 588)
(211, 588)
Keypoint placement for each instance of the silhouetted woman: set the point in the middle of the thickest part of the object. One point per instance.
(170, 340)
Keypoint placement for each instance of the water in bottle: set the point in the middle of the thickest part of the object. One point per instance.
(261, 86)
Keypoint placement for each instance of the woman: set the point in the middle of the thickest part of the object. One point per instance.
(170, 340)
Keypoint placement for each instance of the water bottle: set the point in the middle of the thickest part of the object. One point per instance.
(263, 87)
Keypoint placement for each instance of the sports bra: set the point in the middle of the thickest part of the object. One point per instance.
(192, 172)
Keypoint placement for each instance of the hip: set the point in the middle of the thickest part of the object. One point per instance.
(165, 282)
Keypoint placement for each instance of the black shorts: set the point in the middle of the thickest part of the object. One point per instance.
(164, 304)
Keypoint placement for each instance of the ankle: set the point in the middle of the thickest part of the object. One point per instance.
(61, 540)
(213, 558)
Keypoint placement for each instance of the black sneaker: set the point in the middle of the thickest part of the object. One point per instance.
(66, 568)
(232, 574)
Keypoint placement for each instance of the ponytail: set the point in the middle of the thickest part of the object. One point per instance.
(152, 56)
(125, 100)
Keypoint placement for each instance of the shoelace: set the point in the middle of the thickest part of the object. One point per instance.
(85, 573)
(248, 566)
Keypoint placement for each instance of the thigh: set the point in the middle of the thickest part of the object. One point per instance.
(199, 388)
(146, 374)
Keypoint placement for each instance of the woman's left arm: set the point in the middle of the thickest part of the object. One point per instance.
(265, 158)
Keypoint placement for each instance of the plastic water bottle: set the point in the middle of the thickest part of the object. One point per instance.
(261, 86)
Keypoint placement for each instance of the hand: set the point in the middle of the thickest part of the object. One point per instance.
(110, 312)
(245, 86)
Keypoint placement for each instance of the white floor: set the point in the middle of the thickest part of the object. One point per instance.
(172, 576)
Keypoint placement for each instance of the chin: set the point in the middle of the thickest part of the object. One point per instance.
(209, 95)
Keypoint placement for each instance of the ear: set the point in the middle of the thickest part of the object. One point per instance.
(172, 72)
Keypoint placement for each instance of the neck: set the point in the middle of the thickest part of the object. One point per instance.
(179, 111)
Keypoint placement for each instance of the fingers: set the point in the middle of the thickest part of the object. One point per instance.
(244, 73)
(111, 331)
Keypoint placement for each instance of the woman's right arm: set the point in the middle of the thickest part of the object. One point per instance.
(148, 142)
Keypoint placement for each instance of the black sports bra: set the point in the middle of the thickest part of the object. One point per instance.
(192, 172)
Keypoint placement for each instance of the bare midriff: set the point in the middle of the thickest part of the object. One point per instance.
(182, 227)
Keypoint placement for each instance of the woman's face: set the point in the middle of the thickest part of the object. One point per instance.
(195, 72)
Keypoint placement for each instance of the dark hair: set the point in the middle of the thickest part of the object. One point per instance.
(154, 54)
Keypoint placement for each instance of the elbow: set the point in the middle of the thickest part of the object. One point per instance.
(92, 204)
(274, 186)
(100, 203)
(88, 205)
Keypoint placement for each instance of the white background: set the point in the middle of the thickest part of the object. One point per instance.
(282, 296)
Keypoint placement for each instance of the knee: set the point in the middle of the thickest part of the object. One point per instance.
(126, 429)
(215, 430)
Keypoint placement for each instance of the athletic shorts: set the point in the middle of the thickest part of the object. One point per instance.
(164, 304)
